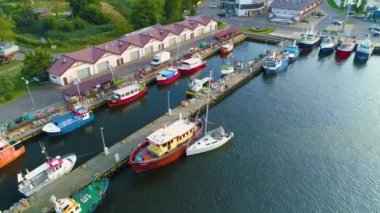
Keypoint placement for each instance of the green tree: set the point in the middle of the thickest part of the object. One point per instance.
(7, 84)
(36, 64)
(361, 7)
(93, 13)
(77, 6)
(147, 12)
(6, 29)
(26, 20)
(123, 26)
(173, 11)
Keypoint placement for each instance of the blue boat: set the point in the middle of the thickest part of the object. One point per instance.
(62, 124)
(327, 46)
(292, 51)
(364, 50)
(275, 63)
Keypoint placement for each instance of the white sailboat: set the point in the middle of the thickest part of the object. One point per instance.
(212, 139)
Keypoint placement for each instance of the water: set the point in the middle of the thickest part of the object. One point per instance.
(306, 140)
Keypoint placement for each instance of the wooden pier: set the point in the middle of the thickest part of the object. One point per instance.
(106, 165)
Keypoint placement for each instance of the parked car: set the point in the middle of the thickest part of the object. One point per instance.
(318, 14)
(223, 15)
(375, 32)
(337, 22)
(375, 27)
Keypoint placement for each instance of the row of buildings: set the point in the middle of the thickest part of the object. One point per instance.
(284, 11)
(93, 60)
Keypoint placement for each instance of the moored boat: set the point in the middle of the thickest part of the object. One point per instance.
(292, 51)
(212, 139)
(84, 201)
(62, 124)
(46, 173)
(308, 39)
(165, 145)
(167, 76)
(327, 46)
(127, 94)
(364, 50)
(275, 63)
(9, 151)
(197, 86)
(226, 48)
(227, 69)
(345, 48)
(191, 65)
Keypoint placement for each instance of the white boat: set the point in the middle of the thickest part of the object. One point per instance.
(212, 139)
(46, 173)
(198, 85)
(227, 69)
(226, 48)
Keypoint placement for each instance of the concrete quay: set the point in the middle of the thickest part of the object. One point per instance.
(106, 165)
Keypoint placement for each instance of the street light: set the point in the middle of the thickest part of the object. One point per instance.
(30, 94)
(169, 110)
(106, 152)
(178, 44)
(111, 69)
(76, 80)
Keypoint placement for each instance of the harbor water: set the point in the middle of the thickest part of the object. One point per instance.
(306, 140)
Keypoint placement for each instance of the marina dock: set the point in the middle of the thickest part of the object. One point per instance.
(106, 165)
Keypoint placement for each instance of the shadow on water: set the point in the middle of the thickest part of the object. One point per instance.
(323, 55)
(359, 63)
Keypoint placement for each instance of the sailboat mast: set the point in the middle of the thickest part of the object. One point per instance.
(208, 100)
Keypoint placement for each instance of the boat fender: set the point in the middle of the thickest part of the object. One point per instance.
(138, 159)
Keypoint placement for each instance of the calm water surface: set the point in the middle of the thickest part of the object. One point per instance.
(306, 140)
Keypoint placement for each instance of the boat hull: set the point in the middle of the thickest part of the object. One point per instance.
(72, 127)
(343, 53)
(10, 155)
(169, 80)
(211, 147)
(225, 52)
(96, 190)
(112, 103)
(273, 70)
(308, 45)
(363, 56)
(166, 159)
(193, 69)
(326, 50)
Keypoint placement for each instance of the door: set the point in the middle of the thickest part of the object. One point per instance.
(191, 35)
(183, 38)
(171, 42)
(83, 73)
(102, 67)
(65, 81)
(135, 55)
(148, 50)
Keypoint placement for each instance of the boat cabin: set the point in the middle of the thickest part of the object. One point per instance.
(125, 92)
(67, 205)
(190, 63)
(198, 84)
(168, 138)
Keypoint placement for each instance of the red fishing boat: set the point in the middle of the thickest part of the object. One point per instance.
(345, 48)
(127, 94)
(9, 152)
(191, 65)
(167, 76)
(226, 48)
(165, 145)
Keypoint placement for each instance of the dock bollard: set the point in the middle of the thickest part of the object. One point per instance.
(117, 157)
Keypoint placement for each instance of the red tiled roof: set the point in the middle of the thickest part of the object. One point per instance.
(137, 39)
(61, 65)
(116, 46)
(157, 33)
(174, 28)
(191, 24)
(89, 55)
(205, 20)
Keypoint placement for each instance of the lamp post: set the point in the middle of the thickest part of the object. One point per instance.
(76, 80)
(106, 152)
(111, 69)
(169, 110)
(30, 94)
(178, 44)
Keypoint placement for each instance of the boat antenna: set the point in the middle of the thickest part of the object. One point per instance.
(208, 100)
(43, 148)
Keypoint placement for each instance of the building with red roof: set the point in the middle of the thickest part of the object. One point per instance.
(93, 60)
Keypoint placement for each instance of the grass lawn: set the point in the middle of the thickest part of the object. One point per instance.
(18, 91)
(12, 68)
(221, 25)
(263, 30)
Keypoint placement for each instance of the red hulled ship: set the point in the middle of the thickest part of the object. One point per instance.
(345, 48)
(165, 145)
(191, 65)
(167, 76)
(127, 94)
(226, 48)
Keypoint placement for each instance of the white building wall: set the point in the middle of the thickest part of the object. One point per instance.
(187, 32)
(153, 43)
(56, 79)
(167, 39)
(126, 54)
(71, 73)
